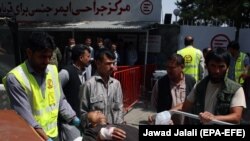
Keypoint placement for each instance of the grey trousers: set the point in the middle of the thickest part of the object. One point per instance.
(68, 132)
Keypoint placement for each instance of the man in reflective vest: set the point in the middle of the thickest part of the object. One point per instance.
(239, 63)
(194, 60)
(34, 89)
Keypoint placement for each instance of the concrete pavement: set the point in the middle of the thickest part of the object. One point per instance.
(139, 114)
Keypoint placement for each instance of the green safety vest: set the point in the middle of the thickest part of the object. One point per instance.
(44, 109)
(190, 55)
(240, 68)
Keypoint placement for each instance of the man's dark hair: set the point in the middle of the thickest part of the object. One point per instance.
(88, 37)
(77, 51)
(104, 51)
(219, 55)
(189, 40)
(40, 41)
(206, 50)
(177, 58)
(234, 45)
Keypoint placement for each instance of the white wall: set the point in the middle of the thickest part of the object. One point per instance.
(244, 40)
(204, 35)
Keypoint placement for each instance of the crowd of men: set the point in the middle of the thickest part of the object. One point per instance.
(218, 93)
(75, 101)
(57, 104)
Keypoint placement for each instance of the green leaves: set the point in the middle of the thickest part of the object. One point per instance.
(214, 11)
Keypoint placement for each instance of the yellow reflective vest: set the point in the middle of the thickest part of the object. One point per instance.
(192, 57)
(44, 109)
(240, 67)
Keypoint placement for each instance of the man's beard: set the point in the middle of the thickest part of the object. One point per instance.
(216, 79)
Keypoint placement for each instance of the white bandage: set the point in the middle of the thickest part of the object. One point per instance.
(106, 133)
(78, 139)
(163, 118)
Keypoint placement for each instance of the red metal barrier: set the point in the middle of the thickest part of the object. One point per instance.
(130, 80)
(119, 68)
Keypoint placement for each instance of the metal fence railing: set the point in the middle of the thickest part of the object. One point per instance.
(132, 82)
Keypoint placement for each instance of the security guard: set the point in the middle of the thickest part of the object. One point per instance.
(194, 60)
(239, 63)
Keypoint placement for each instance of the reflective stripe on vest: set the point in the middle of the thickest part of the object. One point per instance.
(44, 109)
(239, 67)
(190, 55)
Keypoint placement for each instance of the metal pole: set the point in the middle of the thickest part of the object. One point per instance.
(73, 33)
(197, 117)
(145, 62)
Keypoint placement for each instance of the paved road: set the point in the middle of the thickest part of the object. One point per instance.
(139, 114)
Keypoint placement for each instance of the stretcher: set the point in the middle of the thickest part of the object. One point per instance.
(197, 117)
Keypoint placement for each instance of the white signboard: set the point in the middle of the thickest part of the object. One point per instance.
(205, 36)
(78, 10)
(154, 43)
(219, 40)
